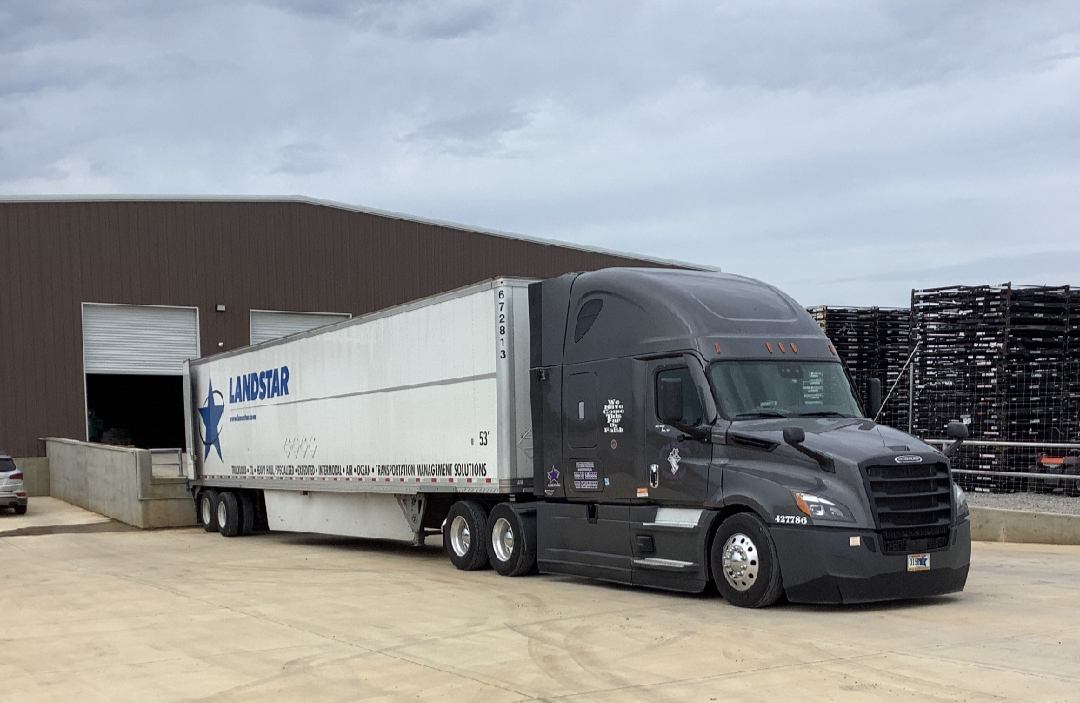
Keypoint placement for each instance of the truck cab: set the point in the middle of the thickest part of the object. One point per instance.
(691, 427)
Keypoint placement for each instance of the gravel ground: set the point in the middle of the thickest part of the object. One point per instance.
(1037, 502)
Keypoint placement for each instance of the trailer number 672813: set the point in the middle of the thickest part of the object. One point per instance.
(502, 323)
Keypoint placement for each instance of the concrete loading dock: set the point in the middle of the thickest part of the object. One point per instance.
(104, 612)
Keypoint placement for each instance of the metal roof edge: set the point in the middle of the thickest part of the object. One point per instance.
(354, 208)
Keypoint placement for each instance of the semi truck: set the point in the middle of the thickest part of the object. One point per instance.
(657, 427)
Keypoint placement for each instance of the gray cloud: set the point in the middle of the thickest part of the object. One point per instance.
(844, 151)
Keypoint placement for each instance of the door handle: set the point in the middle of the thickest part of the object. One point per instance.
(654, 475)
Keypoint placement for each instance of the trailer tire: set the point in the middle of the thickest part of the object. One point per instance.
(207, 508)
(227, 515)
(247, 514)
(465, 535)
(744, 563)
(511, 544)
(262, 522)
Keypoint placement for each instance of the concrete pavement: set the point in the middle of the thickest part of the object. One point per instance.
(181, 615)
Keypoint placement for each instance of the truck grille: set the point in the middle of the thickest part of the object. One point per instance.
(910, 495)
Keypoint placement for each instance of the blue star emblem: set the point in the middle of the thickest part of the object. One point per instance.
(211, 418)
(553, 475)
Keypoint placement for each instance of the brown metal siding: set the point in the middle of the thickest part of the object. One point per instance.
(246, 255)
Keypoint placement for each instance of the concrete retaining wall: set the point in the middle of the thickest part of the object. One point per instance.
(35, 474)
(117, 482)
(997, 525)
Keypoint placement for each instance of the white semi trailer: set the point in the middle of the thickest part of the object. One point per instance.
(350, 429)
(655, 427)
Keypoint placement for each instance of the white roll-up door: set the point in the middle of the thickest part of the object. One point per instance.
(139, 339)
(268, 324)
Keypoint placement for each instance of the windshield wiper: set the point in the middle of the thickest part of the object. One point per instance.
(758, 414)
(824, 413)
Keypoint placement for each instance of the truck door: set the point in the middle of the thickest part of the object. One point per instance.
(589, 535)
(675, 467)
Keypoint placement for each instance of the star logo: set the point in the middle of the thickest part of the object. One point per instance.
(553, 476)
(211, 419)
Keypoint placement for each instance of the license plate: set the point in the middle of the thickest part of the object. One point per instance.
(918, 562)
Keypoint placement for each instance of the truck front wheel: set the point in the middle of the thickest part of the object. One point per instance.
(744, 564)
(511, 545)
(465, 535)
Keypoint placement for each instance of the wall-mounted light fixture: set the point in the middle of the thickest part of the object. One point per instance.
(221, 308)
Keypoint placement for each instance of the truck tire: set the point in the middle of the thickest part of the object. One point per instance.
(227, 514)
(465, 535)
(247, 514)
(511, 544)
(744, 564)
(207, 506)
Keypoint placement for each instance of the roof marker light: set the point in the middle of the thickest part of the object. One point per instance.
(781, 345)
(831, 350)
(717, 345)
(794, 349)
(769, 347)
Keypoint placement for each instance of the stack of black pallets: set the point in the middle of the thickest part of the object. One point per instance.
(894, 346)
(996, 358)
(873, 343)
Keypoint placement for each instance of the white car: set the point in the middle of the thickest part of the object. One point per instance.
(12, 494)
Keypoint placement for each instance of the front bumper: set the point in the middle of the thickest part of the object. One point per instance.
(819, 565)
(10, 500)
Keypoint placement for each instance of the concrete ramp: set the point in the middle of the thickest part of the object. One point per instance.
(117, 482)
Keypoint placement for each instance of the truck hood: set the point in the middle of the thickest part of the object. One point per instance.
(857, 440)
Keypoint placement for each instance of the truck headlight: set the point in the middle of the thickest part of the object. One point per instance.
(821, 508)
(960, 500)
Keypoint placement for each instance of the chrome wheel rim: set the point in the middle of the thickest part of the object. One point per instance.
(502, 539)
(740, 562)
(222, 517)
(207, 511)
(460, 536)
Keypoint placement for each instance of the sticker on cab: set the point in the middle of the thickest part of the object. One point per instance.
(918, 562)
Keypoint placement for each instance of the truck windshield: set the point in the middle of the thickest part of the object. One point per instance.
(760, 389)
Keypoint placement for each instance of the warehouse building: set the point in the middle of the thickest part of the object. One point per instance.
(103, 298)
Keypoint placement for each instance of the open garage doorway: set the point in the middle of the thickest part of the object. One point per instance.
(133, 358)
(138, 411)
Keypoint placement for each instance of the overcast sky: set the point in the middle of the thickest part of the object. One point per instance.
(844, 151)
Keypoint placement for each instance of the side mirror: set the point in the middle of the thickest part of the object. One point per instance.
(873, 397)
(794, 435)
(670, 401)
(957, 430)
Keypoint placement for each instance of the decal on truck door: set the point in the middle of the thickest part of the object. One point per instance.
(553, 477)
(586, 476)
(613, 411)
(671, 457)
